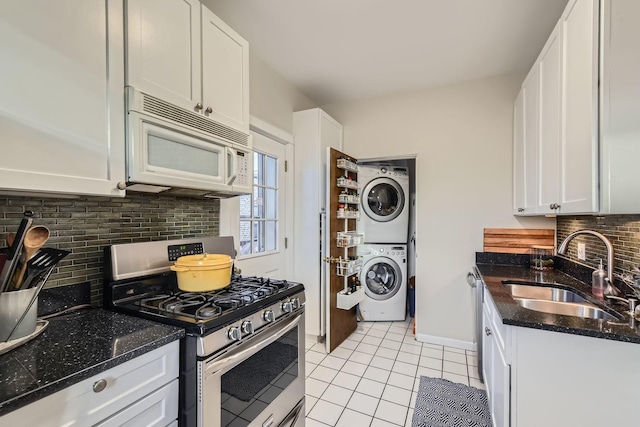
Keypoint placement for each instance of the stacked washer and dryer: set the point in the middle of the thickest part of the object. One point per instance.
(384, 220)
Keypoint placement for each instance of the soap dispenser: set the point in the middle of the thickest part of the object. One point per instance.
(598, 282)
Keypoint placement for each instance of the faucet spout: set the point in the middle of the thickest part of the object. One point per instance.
(562, 250)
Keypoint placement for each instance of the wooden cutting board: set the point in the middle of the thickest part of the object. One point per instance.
(516, 240)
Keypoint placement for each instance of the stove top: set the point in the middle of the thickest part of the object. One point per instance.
(202, 306)
(133, 286)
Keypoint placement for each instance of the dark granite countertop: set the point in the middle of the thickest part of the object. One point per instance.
(74, 347)
(512, 314)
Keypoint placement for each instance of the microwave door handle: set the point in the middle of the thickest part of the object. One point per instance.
(232, 174)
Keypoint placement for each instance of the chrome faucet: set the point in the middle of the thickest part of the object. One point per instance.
(562, 249)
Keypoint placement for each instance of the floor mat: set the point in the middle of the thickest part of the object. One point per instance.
(442, 403)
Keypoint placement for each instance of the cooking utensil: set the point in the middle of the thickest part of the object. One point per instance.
(41, 261)
(203, 272)
(14, 252)
(40, 268)
(34, 239)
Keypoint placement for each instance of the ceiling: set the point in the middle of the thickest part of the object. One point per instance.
(345, 50)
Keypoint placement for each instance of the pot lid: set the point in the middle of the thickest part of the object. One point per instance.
(203, 260)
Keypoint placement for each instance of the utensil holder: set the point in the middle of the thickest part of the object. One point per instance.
(12, 307)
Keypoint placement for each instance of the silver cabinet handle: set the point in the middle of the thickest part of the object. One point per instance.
(99, 385)
(199, 106)
(520, 209)
(209, 110)
(554, 206)
(487, 331)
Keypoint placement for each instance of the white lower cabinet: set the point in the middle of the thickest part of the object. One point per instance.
(495, 370)
(544, 378)
(142, 391)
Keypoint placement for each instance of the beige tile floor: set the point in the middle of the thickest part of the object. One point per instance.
(372, 378)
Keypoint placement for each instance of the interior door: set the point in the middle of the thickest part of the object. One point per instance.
(340, 323)
(257, 222)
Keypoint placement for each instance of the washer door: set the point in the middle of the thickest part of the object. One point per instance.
(381, 277)
(382, 199)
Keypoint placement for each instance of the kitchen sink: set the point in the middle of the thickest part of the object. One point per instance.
(584, 310)
(546, 293)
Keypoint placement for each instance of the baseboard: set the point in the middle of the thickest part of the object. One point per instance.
(448, 342)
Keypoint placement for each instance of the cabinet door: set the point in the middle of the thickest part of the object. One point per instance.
(549, 66)
(487, 355)
(620, 104)
(340, 322)
(579, 152)
(163, 50)
(61, 96)
(501, 391)
(530, 96)
(518, 155)
(225, 73)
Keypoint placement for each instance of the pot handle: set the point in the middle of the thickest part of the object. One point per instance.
(179, 268)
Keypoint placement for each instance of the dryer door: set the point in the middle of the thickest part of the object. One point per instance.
(381, 277)
(382, 199)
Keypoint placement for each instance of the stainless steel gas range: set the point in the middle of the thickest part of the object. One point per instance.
(242, 360)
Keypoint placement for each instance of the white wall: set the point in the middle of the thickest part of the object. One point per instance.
(272, 98)
(462, 137)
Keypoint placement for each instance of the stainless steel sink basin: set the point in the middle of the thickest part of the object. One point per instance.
(585, 310)
(542, 292)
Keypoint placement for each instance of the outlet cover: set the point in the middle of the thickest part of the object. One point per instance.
(582, 251)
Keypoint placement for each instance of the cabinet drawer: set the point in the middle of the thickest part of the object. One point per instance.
(155, 410)
(80, 405)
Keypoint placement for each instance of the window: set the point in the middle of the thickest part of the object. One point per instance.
(259, 212)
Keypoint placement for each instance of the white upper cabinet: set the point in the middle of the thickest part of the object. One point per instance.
(620, 107)
(565, 121)
(525, 146)
(62, 96)
(548, 126)
(181, 53)
(579, 120)
(163, 50)
(225, 77)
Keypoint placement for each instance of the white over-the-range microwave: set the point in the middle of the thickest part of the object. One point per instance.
(170, 149)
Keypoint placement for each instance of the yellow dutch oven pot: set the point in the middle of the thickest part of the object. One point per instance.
(203, 272)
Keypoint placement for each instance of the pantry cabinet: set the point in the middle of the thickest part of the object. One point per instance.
(181, 52)
(62, 97)
(314, 131)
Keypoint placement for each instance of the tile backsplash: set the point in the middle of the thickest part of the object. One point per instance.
(86, 225)
(622, 230)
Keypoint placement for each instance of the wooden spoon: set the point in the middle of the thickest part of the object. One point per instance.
(34, 239)
(10, 238)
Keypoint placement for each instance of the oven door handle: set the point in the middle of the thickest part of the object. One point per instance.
(241, 353)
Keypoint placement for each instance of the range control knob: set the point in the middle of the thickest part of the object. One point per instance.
(295, 303)
(247, 327)
(234, 333)
(268, 316)
(286, 306)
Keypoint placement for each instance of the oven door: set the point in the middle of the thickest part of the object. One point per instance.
(258, 383)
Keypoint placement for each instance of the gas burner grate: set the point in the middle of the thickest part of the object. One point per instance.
(201, 306)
